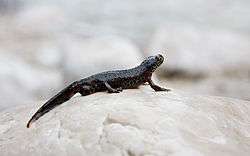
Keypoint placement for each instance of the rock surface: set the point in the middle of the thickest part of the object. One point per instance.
(131, 123)
(218, 86)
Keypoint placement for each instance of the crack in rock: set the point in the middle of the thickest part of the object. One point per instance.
(103, 136)
(108, 121)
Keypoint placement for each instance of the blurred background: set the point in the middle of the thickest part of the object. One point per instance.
(45, 45)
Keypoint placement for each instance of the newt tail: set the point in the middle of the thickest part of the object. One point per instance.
(56, 100)
(111, 81)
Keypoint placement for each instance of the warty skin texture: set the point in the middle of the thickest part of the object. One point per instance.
(110, 81)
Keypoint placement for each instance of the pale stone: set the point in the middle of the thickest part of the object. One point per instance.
(134, 122)
(218, 86)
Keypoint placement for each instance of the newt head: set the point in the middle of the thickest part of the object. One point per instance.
(153, 62)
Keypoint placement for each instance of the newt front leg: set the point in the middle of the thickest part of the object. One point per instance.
(156, 87)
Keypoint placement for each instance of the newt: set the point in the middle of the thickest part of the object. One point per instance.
(110, 81)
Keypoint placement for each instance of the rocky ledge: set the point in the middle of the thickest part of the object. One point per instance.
(132, 123)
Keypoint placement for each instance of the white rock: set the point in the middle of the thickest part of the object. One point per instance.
(134, 122)
(218, 86)
(24, 81)
(41, 20)
(47, 54)
(84, 57)
(201, 50)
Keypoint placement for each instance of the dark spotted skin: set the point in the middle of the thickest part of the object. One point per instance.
(111, 81)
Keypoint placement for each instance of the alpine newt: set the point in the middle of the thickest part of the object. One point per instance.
(110, 81)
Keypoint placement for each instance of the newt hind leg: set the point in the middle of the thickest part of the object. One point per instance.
(86, 90)
(112, 90)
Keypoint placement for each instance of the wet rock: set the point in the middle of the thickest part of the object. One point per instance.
(134, 122)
